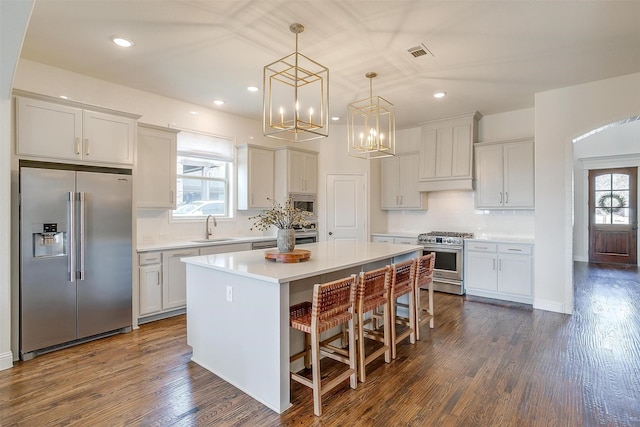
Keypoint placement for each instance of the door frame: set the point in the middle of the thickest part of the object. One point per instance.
(630, 229)
(603, 162)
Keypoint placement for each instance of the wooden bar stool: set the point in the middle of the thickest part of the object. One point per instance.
(424, 277)
(333, 305)
(403, 282)
(373, 292)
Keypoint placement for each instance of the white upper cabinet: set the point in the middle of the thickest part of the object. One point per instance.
(303, 172)
(155, 173)
(108, 138)
(296, 172)
(255, 177)
(505, 175)
(70, 132)
(399, 183)
(446, 153)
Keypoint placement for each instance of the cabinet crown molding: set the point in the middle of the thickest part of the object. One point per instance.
(505, 141)
(76, 104)
(473, 115)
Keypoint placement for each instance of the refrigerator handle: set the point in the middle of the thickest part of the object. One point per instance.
(71, 236)
(81, 236)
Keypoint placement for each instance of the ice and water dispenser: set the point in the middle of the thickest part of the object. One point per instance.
(48, 240)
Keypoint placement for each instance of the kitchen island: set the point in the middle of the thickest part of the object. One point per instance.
(238, 309)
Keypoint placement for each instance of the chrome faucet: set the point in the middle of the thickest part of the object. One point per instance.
(215, 224)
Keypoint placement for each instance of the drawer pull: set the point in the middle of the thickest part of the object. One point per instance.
(481, 247)
(183, 254)
(515, 250)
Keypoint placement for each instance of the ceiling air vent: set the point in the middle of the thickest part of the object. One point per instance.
(420, 50)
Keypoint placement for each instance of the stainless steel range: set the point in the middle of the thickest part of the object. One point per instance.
(448, 247)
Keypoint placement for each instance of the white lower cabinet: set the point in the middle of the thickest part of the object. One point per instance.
(150, 274)
(499, 270)
(163, 279)
(174, 278)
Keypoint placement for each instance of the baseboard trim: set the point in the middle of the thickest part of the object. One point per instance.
(546, 305)
(6, 360)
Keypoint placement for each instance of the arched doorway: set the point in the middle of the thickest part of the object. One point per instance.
(605, 148)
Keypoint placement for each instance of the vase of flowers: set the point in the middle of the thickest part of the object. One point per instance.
(285, 218)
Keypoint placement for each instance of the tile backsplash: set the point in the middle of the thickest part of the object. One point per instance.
(455, 211)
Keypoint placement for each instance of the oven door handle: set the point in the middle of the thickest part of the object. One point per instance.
(448, 249)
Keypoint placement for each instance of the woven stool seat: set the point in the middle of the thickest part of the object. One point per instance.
(333, 305)
(300, 316)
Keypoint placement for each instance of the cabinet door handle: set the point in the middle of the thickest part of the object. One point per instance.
(251, 199)
(78, 145)
(501, 197)
(494, 264)
(401, 200)
(171, 195)
(87, 146)
(506, 197)
(499, 265)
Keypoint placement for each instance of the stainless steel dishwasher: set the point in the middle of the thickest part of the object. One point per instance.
(264, 245)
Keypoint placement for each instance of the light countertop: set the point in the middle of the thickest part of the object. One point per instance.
(504, 239)
(198, 243)
(325, 257)
(214, 241)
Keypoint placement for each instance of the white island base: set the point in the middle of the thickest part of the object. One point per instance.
(238, 309)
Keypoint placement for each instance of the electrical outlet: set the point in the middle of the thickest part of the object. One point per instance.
(229, 293)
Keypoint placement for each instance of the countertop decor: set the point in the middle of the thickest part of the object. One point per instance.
(281, 216)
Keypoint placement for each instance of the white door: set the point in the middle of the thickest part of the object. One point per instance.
(346, 207)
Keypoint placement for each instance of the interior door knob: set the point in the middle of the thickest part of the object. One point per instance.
(331, 233)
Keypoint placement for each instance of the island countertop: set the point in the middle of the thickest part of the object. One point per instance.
(325, 257)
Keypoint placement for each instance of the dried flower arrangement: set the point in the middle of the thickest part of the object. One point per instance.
(282, 217)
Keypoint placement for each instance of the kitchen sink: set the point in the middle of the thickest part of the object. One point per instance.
(214, 240)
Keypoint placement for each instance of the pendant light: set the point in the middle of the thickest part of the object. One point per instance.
(295, 103)
(371, 126)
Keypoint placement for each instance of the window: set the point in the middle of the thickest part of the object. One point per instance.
(612, 199)
(205, 163)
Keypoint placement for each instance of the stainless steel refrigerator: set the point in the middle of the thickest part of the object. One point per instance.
(75, 246)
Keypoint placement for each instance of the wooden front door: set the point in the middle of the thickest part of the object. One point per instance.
(613, 218)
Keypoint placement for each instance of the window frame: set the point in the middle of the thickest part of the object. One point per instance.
(228, 160)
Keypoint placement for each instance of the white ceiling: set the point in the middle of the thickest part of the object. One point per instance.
(489, 56)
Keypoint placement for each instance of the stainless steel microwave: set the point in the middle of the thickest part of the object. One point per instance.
(305, 202)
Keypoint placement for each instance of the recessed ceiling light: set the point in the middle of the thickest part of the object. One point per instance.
(252, 89)
(121, 41)
(195, 113)
(439, 94)
(64, 97)
(335, 118)
(218, 102)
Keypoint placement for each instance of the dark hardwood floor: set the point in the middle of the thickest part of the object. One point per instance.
(487, 363)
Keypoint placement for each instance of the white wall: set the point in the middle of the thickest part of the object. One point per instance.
(455, 210)
(14, 17)
(618, 146)
(560, 116)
